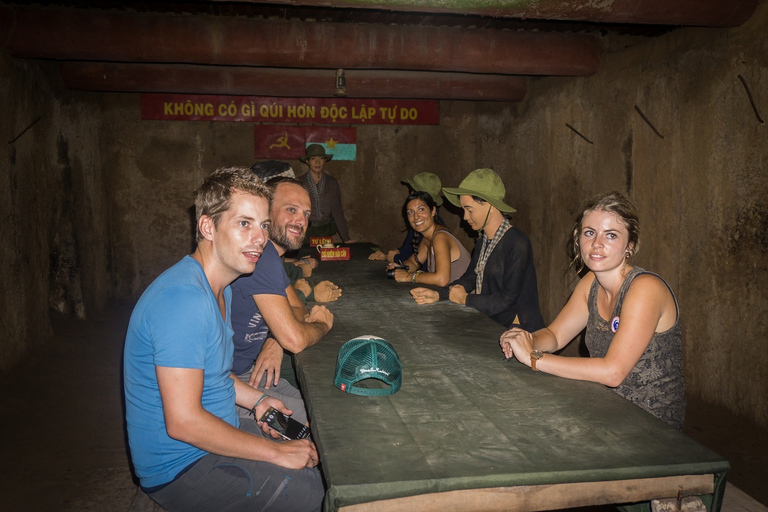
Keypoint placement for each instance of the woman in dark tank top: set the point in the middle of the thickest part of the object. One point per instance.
(631, 318)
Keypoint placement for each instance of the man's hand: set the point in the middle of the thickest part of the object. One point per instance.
(261, 408)
(320, 314)
(326, 291)
(309, 260)
(304, 286)
(297, 454)
(306, 264)
(424, 295)
(269, 361)
(378, 256)
(458, 294)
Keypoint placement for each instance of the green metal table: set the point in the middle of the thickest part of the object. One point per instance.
(471, 431)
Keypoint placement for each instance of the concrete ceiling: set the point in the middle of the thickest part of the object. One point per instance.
(418, 49)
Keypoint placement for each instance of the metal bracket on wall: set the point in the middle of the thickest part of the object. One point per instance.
(578, 133)
(24, 130)
(647, 121)
(749, 94)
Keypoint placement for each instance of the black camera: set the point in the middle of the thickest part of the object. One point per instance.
(391, 271)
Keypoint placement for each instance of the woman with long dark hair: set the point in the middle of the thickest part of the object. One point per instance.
(432, 243)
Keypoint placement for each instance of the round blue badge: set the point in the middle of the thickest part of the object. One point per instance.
(615, 324)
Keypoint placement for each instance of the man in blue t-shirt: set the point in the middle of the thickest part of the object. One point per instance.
(188, 446)
(267, 315)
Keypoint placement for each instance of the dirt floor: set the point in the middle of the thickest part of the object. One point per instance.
(64, 447)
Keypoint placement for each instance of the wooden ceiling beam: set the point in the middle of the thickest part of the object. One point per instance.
(78, 34)
(196, 79)
(701, 13)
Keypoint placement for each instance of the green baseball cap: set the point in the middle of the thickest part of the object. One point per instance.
(426, 182)
(483, 183)
(368, 357)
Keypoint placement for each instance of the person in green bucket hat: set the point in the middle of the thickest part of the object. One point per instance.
(422, 182)
(501, 278)
(327, 216)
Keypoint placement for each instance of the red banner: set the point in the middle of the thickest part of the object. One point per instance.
(258, 109)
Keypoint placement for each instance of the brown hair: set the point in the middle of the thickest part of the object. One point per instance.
(213, 198)
(611, 202)
(272, 183)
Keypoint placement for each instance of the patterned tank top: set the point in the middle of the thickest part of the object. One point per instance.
(656, 382)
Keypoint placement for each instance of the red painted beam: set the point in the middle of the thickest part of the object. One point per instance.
(75, 34)
(702, 13)
(194, 79)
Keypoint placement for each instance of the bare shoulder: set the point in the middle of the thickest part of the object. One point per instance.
(441, 237)
(583, 286)
(649, 293)
(649, 285)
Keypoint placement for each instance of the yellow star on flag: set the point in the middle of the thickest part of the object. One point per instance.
(332, 143)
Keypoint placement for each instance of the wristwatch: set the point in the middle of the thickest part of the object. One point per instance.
(535, 356)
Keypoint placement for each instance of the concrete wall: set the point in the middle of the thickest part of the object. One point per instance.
(55, 251)
(702, 189)
(97, 201)
(156, 165)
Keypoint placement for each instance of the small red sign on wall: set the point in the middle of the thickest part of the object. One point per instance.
(335, 254)
(314, 241)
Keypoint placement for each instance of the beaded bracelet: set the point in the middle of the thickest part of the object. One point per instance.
(253, 409)
(413, 276)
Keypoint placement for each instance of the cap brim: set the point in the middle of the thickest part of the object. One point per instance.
(452, 194)
(303, 159)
